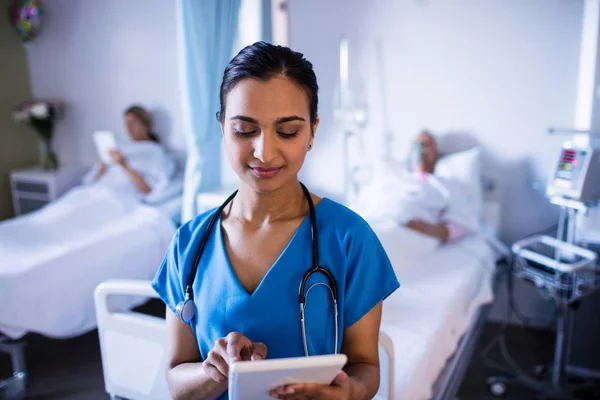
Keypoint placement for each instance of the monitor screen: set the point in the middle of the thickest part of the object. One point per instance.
(570, 166)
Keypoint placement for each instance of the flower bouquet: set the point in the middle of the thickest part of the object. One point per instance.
(41, 115)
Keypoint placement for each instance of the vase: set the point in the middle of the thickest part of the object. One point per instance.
(48, 159)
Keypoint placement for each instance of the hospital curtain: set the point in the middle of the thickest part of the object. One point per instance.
(266, 21)
(208, 31)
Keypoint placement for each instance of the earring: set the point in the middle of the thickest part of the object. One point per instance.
(310, 146)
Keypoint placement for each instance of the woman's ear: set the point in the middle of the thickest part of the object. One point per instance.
(313, 130)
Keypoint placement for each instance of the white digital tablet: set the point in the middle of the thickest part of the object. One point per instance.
(254, 379)
(104, 141)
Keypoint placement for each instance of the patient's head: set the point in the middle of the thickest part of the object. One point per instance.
(429, 151)
(139, 124)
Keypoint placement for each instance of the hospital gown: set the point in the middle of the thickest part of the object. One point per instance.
(149, 159)
(401, 196)
(347, 247)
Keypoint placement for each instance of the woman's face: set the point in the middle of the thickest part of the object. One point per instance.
(137, 130)
(267, 131)
(430, 152)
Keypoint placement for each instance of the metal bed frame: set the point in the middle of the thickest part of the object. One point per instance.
(15, 387)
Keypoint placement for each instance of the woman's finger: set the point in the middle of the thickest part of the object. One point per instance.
(236, 343)
(213, 372)
(259, 352)
(284, 392)
(341, 379)
(218, 362)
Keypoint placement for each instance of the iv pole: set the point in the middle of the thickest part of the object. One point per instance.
(352, 115)
(345, 113)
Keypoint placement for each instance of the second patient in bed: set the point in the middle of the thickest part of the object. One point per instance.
(433, 206)
(138, 167)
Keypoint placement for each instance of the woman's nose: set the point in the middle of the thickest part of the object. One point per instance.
(265, 147)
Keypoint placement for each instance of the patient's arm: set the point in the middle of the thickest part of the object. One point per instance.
(139, 182)
(137, 179)
(440, 231)
(101, 171)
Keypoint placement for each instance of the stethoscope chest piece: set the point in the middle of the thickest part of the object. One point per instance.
(185, 310)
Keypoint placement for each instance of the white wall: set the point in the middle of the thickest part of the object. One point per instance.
(503, 71)
(101, 56)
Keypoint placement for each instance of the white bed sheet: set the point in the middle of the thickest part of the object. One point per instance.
(172, 208)
(52, 260)
(441, 289)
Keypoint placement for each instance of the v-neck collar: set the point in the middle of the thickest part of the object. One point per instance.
(236, 280)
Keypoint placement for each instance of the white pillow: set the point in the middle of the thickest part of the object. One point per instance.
(465, 168)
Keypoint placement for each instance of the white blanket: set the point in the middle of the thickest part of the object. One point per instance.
(51, 260)
(441, 288)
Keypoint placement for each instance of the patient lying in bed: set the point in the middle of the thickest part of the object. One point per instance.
(53, 258)
(141, 171)
(434, 205)
(139, 168)
(415, 196)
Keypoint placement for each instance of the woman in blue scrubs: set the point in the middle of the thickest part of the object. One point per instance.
(245, 291)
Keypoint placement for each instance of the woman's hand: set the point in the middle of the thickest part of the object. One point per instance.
(117, 157)
(234, 347)
(338, 390)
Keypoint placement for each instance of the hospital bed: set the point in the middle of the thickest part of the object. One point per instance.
(47, 279)
(434, 320)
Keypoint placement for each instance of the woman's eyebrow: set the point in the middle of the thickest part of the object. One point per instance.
(244, 118)
(288, 119)
(277, 121)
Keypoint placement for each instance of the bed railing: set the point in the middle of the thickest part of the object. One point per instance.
(131, 343)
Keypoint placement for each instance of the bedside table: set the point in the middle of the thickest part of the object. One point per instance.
(32, 187)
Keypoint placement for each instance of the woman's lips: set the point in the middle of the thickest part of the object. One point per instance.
(265, 172)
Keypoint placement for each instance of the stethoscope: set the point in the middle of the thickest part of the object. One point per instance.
(186, 311)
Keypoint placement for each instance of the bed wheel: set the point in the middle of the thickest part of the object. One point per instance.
(496, 386)
(540, 371)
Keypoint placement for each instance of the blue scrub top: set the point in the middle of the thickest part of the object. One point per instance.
(348, 248)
